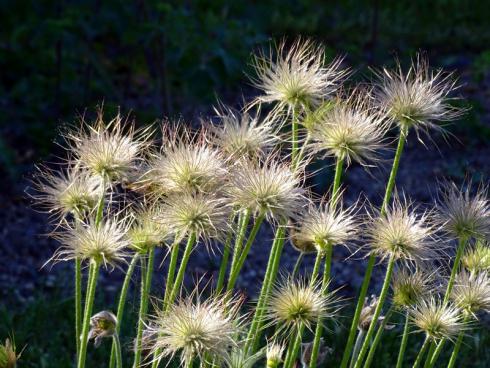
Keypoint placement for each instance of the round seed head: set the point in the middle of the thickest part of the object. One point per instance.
(274, 354)
(477, 258)
(351, 129)
(147, 230)
(294, 303)
(297, 75)
(402, 233)
(418, 99)
(110, 151)
(471, 292)
(102, 324)
(463, 214)
(105, 244)
(270, 188)
(196, 329)
(437, 320)
(409, 287)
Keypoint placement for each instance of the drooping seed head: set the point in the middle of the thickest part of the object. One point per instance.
(477, 258)
(196, 329)
(274, 354)
(409, 287)
(102, 324)
(270, 188)
(418, 99)
(295, 303)
(367, 314)
(307, 350)
(402, 233)
(147, 230)
(464, 214)
(296, 76)
(351, 129)
(110, 150)
(67, 192)
(105, 244)
(471, 292)
(436, 319)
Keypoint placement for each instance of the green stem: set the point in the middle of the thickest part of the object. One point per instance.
(89, 303)
(294, 136)
(336, 181)
(78, 302)
(297, 265)
(457, 260)
(243, 220)
(121, 304)
(224, 264)
(457, 346)
(421, 353)
(372, 258)
(437, 352)
(146, 276)
(241, 260)
(302, 151)
(377, 311)
(377, 338)
(255, 331)
(169, 283)
(118, 353)
(432, 348)
(293, 349)
(100, 205)
(403, 345)
(357, 346)
(316, 266)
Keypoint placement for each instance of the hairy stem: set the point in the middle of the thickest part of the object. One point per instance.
(169, 282)
(243, 220)
(297, 265)
(293, 348)
(403, 344)
(182, 268)
(78, 302)
(294, 136)
(357, 346)
(377, 338)
(117, 344)
(457, 260)
(457, 346)
(421, 353)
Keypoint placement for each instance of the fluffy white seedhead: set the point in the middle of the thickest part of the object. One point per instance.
(437, 320)
(67, 192)
(147, 230)
(196, 329)
(296, 75)
(411, 286)
(464, 214)
(106, 244)
(241, 135)
(402, 233)
(351, 129)
(326, 225)
(186, 163)
(205, 215)
(419, 99)
(295, 303)
(108, 150)
(477, 258)
(270, 188)
(471, 292)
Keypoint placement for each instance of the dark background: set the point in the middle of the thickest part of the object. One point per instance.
(174, 59)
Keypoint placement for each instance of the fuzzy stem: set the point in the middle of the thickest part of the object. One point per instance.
(372, 258)
(293, 349)
(302, 151)
(377, 311)
(457, 346)
(241, 260)
(433, 358)
(316, 266)
(243, 220)
(336, 181)
(421, 353)
(357, 346)
(403, 344)
(254, 333)
(121, 304)
(146, 276)
(169, 283)
(117, 344)
(457, 260)
(377, 338)
(89, 303)
(297, 265)
(294, 136)
(224, 264)
(432, 348)
(182, 268)
(78, 302)
(100, 205)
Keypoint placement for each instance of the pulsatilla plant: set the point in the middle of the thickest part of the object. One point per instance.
(126, 197)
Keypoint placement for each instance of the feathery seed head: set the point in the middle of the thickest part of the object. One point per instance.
(299, 302)
(351, 130)
(402, 233)
(102, 324)
(269, 188)
(471, 292)
(205, 215)
(419, 98)
(296, 76)
(108, 150)
(71, 191)
(241, 135)
(436, 319)
(409, 287)
(325, 226)
(147, 230)
(8, 355)
(105, 244)
(274, 354)
(477, 258)
(194, 328)
(463, 214)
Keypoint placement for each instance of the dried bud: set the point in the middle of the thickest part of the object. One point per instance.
(306, 350)
(102, 324)
(367, 313)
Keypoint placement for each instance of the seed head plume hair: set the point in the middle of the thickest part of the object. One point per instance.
(465, 214)
(296, 75)
(437, 320)
(402, 232)
(196, 328)
(471, 292)
(351, 129)
(109, 150)
(420, 98)
(477, 257)
(241, 134)
(411, 286)
(186, 163)
(274, 354)
(269, 187)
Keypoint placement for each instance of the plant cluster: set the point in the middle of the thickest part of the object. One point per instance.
(122, 193)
